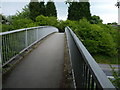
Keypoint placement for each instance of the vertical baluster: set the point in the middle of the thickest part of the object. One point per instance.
(86, 78)
(3, 49)
(29, 37)
(18, 36)
(5, 57)
(26, 38)
(4, 54)
(15, 49)
(12, 44)
(37, 33)
(20, 41)
(89, 78)
(84, 75)
(0, 52)
(6, 49)
(92, 83)
(97, 88)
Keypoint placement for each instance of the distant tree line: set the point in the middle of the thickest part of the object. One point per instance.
(39, 8)
(97, 37)
(76, 10)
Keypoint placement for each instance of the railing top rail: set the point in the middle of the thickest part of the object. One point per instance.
(19, 30)
(97, 72)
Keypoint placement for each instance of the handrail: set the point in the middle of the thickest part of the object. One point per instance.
(19, 30)
(89, 75)
(17, 41)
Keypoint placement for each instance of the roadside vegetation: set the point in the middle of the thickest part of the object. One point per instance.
(100, 39)
(116, 80)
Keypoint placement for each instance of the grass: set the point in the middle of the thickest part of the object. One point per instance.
(106, 59)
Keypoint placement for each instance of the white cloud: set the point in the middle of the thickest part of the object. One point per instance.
(107, 18)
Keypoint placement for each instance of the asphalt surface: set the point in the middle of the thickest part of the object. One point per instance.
(42, 68)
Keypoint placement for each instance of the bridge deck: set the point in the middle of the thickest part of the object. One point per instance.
(42, 68)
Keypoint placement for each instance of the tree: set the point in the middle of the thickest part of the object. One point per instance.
(21, 23)
(42, 10)
(3, 19)
(36, 9)
(51, 9)
(73, 11)
(95, 20)
(25, 12)
(96, 38)
(79, 10)
(49, 21)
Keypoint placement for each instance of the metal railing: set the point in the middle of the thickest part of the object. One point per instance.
(86, 72)
(17, 41)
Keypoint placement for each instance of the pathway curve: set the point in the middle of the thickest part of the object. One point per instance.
(42, 68)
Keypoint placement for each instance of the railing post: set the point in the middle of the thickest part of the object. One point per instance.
(37, 33)
(26, 38)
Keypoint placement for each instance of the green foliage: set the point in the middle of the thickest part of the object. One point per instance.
(49, 21)
(3, 19)
(95, 20)
(0, 27)
(24, 14)
(51, 9)
(6, 27)
(95, 38)
(42, 9)
(116, 75)
(79, 10)
(39, 8)
(62, 24)
(21, 23)
(104, 59)
(98, 38)
(36, 9)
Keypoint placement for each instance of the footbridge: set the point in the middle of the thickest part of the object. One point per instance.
(35, 58)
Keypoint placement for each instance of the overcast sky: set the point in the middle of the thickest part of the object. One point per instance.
(106, 9)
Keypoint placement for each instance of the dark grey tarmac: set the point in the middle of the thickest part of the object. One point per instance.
(42, 68)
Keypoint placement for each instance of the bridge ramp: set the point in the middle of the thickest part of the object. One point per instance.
(42, 68)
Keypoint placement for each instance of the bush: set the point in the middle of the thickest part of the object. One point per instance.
(62, 24)
(21, 23)
(116, 80)
(6, 27)
(46, 21)
(95, 38)
(98, 38)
